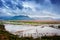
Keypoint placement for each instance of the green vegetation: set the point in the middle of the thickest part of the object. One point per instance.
(4, 35)
(20, 22)
(16, 22)
(2, 27)
(1, 22)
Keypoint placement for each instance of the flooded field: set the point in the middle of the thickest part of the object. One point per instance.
(34, 31)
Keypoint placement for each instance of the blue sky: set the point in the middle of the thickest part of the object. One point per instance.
(31, 8)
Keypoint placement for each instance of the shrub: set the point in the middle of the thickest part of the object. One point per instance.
(58, 26)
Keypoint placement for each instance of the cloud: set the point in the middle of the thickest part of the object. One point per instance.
(32, 8)
(57, 2)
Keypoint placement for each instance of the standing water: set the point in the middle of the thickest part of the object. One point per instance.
(34, 31)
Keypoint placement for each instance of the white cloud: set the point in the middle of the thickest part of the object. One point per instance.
(6, 12)
(43, 12)
(31, 9)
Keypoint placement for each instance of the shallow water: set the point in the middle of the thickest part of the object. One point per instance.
(31, 29)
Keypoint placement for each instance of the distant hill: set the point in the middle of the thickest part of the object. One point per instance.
(43, 18)
(23, 17)
(20, 17)
(5, 18)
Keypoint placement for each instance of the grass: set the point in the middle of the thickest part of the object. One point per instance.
(4, 35)
(16, 22)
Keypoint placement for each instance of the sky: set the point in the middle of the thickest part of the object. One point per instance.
(31, 8)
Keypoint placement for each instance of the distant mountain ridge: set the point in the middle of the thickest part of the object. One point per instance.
(23, 17)
(20, 17)
(43, 18)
